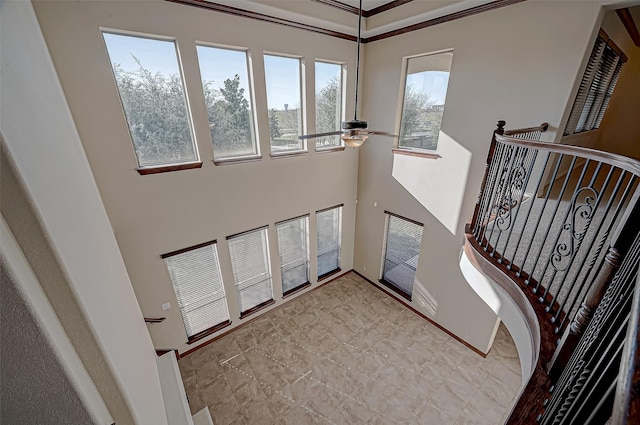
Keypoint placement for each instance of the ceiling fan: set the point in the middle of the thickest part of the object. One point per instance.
(354, 132)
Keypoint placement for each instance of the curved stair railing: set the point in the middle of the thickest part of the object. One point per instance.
(563, 223)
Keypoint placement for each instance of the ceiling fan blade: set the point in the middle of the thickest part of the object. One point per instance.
(313, 136)
(381, 133)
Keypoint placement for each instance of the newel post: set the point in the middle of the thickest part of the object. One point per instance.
(574, 331)
(499, 130)
(620, 244)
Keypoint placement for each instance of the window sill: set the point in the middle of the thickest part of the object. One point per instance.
(395, 289)
(331, 273)
(237, 159)
(168, 168)
(207, 332)
(256, 308)
(418, 153)
(295, 290)
(332, 149)
(288, 154)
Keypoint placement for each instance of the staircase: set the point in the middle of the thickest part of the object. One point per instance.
(556, 229)
(175, 398)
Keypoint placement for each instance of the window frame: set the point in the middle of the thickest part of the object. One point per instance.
(165, 166)
(398, 146)
(306, 260)
(303, 110)
(268, 272)
(218, 272)
(252, 103)
(338, 269)
(393, 286)
(603, 48)
(343, 103)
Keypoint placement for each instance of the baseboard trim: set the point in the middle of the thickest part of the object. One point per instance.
(422, 315)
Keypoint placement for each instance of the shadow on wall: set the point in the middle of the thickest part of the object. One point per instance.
(439, 185)
(423, 298)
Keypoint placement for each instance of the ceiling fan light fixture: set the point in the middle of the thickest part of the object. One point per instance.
(354, 139)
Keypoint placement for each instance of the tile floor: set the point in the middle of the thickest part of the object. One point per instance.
(349, 354)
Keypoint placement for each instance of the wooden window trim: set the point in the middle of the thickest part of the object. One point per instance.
(404, 218)
(398, 291)
(289, 154)
(257, 308)
(237, 159)
(191, 248)
(329, 208)
(295, 290)
(205, 333)
(143, 171)
(332, 149)
(327, 274)
(292, 219)
(235, 235)
(417, 153)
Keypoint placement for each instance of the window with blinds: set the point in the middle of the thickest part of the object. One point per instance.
(197, 282)
(401, 251)
(251, 269)
(293, 245)
(597, 85)
(329, 226)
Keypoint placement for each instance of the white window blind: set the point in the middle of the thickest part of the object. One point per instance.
(251, 268)
(596, 87)
(293, 245)
(197, 282)
(329, 225)
(402, 248)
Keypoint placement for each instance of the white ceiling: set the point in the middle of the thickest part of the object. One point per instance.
(322, 15)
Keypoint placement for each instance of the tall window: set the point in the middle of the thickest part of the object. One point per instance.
(329, 101)
(329, 225)
(197, 282)
(227, 94)
(251, 269)
(425, 93)
(293, 244)
(149, 81)
(596, 86)
(401, 251)
(284, 101)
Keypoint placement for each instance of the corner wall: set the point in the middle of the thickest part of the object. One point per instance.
(517, 63)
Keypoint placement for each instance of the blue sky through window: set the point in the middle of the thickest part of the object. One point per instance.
(432, 82)
(154, 55)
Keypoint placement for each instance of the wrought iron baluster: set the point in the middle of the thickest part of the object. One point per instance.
(539, 219)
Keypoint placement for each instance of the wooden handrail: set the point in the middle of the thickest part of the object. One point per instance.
(628, 164)
(541, 128)
(585, 203)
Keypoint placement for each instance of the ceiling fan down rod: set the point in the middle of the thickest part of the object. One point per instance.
(355, 107)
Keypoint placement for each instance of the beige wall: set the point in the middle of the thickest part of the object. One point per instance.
(155, 214)
(517, 63)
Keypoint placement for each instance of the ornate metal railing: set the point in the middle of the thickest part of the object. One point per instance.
(559, 220)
